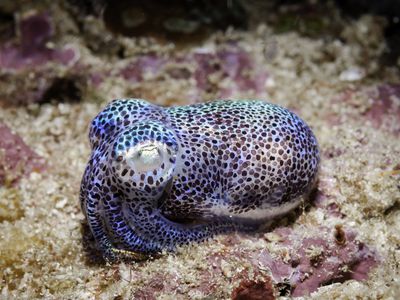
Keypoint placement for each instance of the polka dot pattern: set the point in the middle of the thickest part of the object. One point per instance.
(161, 177)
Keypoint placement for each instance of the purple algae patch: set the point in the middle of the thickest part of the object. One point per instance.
(17, 159)
(31, 50)
(319, 260)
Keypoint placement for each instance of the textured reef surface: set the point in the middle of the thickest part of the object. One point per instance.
(60, 63)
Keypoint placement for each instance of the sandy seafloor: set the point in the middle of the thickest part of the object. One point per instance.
(336, 83)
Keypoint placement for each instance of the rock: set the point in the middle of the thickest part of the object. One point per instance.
(172, 19)
(32, 49)
(33, 62)
(329, 256)
(16, 158)
(254, 290)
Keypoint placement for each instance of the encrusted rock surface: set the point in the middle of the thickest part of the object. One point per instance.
(343, 243)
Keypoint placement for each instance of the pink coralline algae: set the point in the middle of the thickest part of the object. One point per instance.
(325, 258)
(146, 64)
(223, 72)
(16, 158)
(386, 103)
(380, 107)
(322, 198)
(234, 64)
(238, 66)
(300, 265)
(32, 50)
(34, 63)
